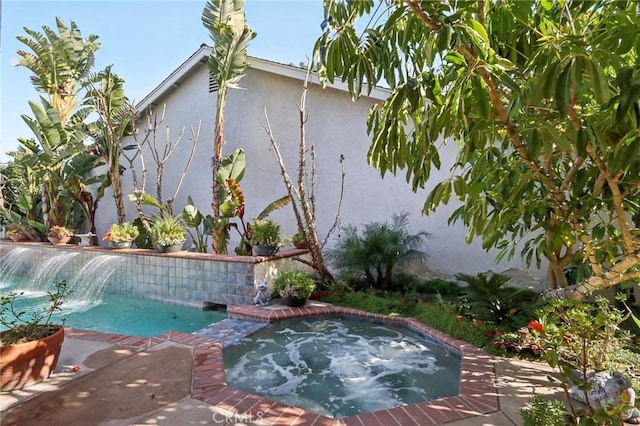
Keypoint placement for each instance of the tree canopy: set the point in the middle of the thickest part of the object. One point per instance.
(542, 98)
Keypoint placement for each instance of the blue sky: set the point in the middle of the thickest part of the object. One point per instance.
(144, 40)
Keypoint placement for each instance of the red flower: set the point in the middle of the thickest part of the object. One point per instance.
(535, 326)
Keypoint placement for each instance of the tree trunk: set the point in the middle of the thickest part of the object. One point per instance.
(116, 184)
(218, 236)
(623, 270)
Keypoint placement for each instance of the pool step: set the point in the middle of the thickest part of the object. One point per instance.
(230, 330)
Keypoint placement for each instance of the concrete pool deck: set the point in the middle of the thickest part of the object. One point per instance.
(178, 379)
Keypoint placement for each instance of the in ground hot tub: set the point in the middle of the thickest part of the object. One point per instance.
(339, 366)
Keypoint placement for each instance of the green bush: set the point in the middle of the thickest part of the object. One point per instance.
(373, 253)
(582, 337)
(432, 315)
(294, 283)
(440, 286)
(487, 298)
(543, 412)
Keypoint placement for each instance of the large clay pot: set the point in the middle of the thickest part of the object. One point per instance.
(19, 238)
(26, 364)
(59, 240)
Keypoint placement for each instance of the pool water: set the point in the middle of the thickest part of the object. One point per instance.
(133, 317)
(339, 367)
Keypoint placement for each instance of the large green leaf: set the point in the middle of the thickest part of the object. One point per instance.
(232, 167)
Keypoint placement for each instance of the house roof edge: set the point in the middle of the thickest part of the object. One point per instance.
(202, 55)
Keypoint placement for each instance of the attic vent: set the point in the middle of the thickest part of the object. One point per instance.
(213, 84)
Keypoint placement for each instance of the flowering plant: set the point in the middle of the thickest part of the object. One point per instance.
(527, 340)
(106, 237)
(289, 291)
(536, 326)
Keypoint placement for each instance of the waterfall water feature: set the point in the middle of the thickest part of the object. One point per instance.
(89, 281)
(12, 262)
(44, 276)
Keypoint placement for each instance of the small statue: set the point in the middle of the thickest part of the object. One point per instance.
(606, 389)
(262, 298)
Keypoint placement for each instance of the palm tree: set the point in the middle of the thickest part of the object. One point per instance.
(374, 252)
(225, 21)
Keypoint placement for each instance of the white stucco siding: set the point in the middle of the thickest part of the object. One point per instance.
(185, 105)
(337, 126)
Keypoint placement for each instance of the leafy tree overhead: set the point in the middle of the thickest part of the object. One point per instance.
(543, 99)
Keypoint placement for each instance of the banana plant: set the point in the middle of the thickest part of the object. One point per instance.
(231, 168)
(202, 225)
(225, 21)
(233, 204)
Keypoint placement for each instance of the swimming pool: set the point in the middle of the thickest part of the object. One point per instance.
(339, 367)
(115, 314)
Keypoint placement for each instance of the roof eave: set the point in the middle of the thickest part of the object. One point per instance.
(202, 55)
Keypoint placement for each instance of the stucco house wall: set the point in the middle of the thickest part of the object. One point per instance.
(337, 127)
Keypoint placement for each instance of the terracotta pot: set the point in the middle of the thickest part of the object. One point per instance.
(477, 322)
(459, 318)
(19, 238)
(60, 240)
(26, 364)
(294, 302)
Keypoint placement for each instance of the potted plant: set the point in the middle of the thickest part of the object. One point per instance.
(123, 235)
(16, 234)
(30, 346)
(60, 234)
(294, 287)
(266, 237)
(169, 233)
(299, 240)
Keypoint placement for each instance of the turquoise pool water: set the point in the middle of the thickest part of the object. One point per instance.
(133, 317)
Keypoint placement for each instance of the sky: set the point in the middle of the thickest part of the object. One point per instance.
(144, 40)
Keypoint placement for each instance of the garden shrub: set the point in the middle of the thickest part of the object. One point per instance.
(543, 412)
(373, 253)
(487, 298)
(432, 315)
(580, 338)
(440, 286)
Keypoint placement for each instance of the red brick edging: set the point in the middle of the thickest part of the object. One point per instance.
(477, 394)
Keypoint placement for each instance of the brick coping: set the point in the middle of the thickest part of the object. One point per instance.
(183, 254)
(477, 394)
